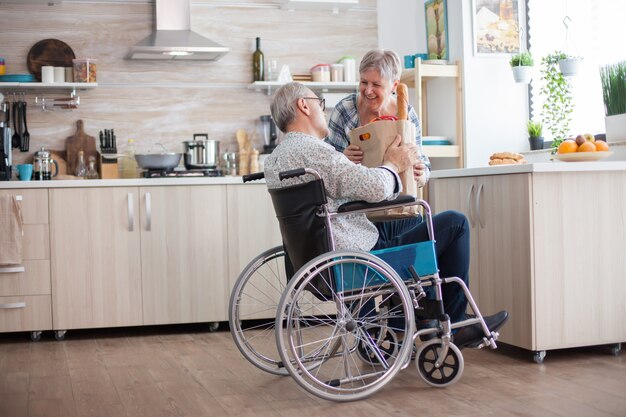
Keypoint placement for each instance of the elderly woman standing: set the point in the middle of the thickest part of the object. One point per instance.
(379, 77)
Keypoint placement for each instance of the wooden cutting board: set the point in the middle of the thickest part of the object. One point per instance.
(49, 52)
(77, 142)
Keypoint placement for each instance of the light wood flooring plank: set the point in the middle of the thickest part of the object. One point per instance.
(178, 371)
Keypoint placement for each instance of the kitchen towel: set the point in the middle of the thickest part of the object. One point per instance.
(374, 138)
(11, 225)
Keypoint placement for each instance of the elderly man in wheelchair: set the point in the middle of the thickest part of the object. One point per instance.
(355, 304)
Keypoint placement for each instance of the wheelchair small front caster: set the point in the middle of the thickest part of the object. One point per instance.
(539, 356)
(59, 334)
(450, 370)
(213, 326)
(616, 348)
(35, 336)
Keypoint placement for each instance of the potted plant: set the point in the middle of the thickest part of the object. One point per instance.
(522, 66)
(534, 135)
(613, 79)
(569, 65)
(557, 93)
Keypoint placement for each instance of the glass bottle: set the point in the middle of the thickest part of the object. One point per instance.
(81, 168)
(92, 174)
(257, 62)
(129, 163)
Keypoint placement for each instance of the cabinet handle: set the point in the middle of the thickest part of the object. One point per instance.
(131, 213)
(478, 216)
(469, 205)
(18, 198)
(13, 305)
(11, 269)
(148, 212)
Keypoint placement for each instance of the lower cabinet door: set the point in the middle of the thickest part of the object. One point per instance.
(183, 254)
(25, 313)
(95, 257)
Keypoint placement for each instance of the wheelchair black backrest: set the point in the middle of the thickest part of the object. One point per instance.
(305, 234)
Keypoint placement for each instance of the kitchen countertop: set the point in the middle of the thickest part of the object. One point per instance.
(134, 182)
(556, 166)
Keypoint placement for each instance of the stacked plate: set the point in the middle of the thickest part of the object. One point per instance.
(17, 78)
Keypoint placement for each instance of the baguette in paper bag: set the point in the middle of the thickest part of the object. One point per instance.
(374, 139)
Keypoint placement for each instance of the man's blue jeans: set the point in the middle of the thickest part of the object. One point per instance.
(452, 245)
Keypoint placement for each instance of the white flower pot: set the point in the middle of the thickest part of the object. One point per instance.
(522, 74)
(569, 67)
(615, 127)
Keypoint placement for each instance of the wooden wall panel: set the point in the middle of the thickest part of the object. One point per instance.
(167, 102)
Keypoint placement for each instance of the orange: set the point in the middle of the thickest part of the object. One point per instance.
(567, 146)
(601, 145)
(587, 147)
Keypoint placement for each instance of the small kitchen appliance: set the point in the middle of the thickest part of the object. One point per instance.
(42, 169)
(269, 133)
(5, 142)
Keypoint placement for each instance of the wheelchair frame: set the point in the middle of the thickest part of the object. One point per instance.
(381, 352)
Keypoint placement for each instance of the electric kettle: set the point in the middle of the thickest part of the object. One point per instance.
(42, 169)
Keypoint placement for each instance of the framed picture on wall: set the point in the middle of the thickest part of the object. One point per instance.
(496, 26)
(437, 29)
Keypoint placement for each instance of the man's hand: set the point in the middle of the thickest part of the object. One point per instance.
(419, 172)
(401, 156)
(354, 153)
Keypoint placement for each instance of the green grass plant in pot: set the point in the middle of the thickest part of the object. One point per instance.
(522, 66)
(535, 130)
(613, 79)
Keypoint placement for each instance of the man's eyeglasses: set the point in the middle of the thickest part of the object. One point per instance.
(321, 100)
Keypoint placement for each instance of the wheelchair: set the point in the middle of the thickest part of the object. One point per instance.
(344, 320)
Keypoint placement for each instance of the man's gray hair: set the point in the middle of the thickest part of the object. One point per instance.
(283, 105)
(385, 61)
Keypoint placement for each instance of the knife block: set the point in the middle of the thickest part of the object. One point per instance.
(109, 168)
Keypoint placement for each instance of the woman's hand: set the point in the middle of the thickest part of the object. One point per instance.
(419, 172)
(354, 153)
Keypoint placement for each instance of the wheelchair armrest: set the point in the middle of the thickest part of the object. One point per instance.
(253, 177)
(363, 205)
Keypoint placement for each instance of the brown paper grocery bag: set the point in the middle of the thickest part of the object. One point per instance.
(374, 139)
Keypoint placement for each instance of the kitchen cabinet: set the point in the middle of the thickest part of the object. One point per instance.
(546, 251)
(418, 78)
(25, 300)
(96, 258)
(252, 226)
(497, 208)
(183, 251)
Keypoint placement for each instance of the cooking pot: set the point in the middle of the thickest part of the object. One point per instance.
(162, 160)
(201, 153)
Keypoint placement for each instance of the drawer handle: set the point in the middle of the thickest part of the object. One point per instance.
(131, 213)
(11, 269)
(18, 198)
(148, 212)
(13, 305)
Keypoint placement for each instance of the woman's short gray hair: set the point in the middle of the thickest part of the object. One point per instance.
(386, 62)
(283, 106)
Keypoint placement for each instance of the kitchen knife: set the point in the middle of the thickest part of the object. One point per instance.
(101, 136)
(113, 141)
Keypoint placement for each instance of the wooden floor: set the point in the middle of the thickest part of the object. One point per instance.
(185, 371)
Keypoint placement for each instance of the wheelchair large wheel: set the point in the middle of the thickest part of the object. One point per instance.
(252, 310)
(347, 334)
(450, 370)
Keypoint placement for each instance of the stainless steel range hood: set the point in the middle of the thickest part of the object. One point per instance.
(173, 38)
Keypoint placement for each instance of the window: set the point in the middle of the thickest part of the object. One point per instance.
(597, 33)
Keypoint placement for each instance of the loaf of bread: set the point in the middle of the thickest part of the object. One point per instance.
(506, 161)
(507, 155)
(403, 101)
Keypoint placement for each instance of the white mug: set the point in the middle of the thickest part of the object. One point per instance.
(59, 74)
(47, 74)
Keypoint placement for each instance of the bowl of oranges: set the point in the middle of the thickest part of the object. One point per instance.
(583, 148)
